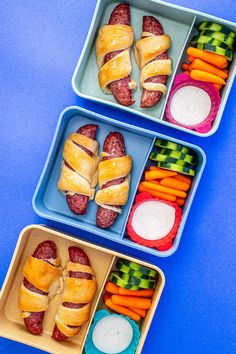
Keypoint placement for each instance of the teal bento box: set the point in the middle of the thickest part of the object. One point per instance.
(50, 203)
(180, 23)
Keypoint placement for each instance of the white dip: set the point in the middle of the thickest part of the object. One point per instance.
(190, 105)
(153, 220)
(112, 334)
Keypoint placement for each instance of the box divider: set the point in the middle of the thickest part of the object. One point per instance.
(100, 291)
(136, 188)
(189, 34)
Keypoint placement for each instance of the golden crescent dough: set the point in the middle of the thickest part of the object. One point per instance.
(77, 267)
(90, 144)
(114, 195)
(111, 169)
(74, 317)
(112, 38)
(79, 291)
(148, 48)
(31, 301)
(155, 86)
(40, 273)
(66, 330)
(71, 181)
(115, 69)
(155, 68)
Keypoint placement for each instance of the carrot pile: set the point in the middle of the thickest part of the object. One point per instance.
(164, 184)
(206, 66)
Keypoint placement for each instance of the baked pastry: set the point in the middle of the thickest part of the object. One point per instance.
(113, 56)
(152, 58)
(79, 290)
(113, 179)
(78, 177)
(40, 271)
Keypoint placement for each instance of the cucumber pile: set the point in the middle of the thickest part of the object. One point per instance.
(216, 38)
(133, 276)
(175, 157)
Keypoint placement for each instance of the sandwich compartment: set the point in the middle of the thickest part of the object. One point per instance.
(102, 260)
(180, 23)
(50, 203)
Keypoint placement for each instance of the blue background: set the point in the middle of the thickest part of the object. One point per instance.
(40, 44)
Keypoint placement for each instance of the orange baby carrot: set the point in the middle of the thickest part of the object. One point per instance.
(139, 293)
(202, 65)
(186, 72)
(183, 178)
(154, 181)
(185, 66)
(140, 312)
(163, 189)
(212, 58)
(206, 77)
(149, 175)
(105, 297)
(154, 168)
(122, 310)
(175, 183)
(112, 288)
(157, 194)
(190, 58)
(129, 301)
(217, 86)
(180, 201)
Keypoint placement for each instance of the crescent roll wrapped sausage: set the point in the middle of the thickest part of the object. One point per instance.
(113, 56)
(152, 58)
(113, 179)
(79, 290)
(78, 177)
(40, 271)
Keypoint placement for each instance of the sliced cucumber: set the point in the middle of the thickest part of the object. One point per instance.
(141, 283)
(219, 36)
(129, 267)
(116, 279)
(180, 155)
(209, 40)
(216, 27)
(212, 48)
(164, 158)
(171, 145)
(176, 168)
(125, 269)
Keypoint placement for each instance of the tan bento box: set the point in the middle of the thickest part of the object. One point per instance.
(102, 260)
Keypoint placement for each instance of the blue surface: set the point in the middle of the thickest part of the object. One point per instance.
(40, 44)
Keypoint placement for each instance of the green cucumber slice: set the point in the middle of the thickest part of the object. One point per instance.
(129, 267)
(216, 27)
(219, 36)
(141, 283)
(180, 155)
(176, 168)
(209, 40)
(215, 49)
(168, 159)
(116, 279)
(171, 145)
(125, 269)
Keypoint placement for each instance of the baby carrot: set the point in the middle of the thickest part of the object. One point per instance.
(157, 194)
(154, 168)
(175, 183)
(105, 297)
(186, 72)
(163, 189)
(149, 175)
(154, 181)
(185, 66)
(122, 310)
(139, 293)
(140, 312)
(183, 178)
(217, 86)
(190, 58)
(202, 65)
(112, 288)
(180, 201)
(129, 301)
(206, 77)
(212, 58)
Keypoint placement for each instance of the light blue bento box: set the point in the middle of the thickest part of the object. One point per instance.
(50, 203)
(180, 23)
